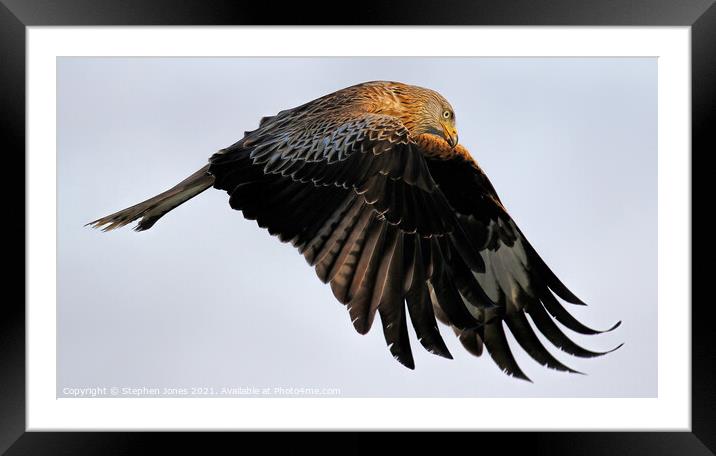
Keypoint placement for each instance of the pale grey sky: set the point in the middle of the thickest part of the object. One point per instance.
(208, 299)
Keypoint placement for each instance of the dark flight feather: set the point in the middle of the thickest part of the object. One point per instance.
(392, 307)
(526, 337)
(546, 326)
(499, 350)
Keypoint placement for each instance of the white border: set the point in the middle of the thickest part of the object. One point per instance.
(670, 411)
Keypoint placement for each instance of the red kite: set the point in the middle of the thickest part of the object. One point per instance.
(370, 185)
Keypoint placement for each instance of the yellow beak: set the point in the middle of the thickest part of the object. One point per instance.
(450, 133)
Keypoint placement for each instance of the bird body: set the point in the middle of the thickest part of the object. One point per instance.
(371, 187)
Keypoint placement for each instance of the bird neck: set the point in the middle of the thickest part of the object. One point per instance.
(436, 147)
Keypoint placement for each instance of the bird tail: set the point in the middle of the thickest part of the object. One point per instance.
(154, 208)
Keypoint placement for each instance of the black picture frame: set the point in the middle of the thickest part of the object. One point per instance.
(16, 15)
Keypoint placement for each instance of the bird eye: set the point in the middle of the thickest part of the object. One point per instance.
(446, 114)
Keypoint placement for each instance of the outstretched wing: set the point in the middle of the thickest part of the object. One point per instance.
(354, 193)
(515, 278)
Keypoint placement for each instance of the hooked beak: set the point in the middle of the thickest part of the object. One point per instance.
(450, 134)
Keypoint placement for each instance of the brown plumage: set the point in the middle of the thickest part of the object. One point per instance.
(369, 184)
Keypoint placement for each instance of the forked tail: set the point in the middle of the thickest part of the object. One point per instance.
(154, 208)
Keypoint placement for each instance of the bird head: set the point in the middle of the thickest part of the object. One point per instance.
(429, 112)
(447, 129)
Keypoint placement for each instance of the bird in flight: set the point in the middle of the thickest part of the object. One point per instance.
(370, 185)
